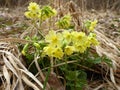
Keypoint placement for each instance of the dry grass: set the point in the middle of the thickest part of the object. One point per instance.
(14, 74)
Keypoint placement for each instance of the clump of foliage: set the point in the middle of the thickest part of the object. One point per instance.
(61, 47)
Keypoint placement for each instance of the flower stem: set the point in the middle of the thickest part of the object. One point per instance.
(52, 64)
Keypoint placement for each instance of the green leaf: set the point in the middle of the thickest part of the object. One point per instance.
(34, 38)
(108, 61)
(87, 24)
(30, 57)
(76, 80)
(36, 45)
(97, 60)
(71, 75)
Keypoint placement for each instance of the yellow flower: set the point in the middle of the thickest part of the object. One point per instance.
(48, 50)
(92, 38)
(93, 41)
(67, 36)
(87, 43)
(80, 48)
(73, 33)
(92, 35)
(54, 38)
(69, 50)
(31, 15)
(91, 28)
(51, 51)
(33, 12)
(33, 7)
(28, 14)
(57, 52)
(78, 37)
(93, 25)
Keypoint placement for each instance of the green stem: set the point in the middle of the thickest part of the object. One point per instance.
(52, 64)
(46, 79)
(66, 64)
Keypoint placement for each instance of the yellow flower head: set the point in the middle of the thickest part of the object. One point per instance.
(74, 33)
(80, 48)
(31, 15)
(33, 7)
(92, 39)
(78, 37)
(28, 14)
(51, 51)
(93, 25)
(87, 43)
(54, 38)
(48, 50)
(69, 50)
(57, 52)
(67, 36)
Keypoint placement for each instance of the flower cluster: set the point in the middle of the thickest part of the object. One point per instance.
(90, 25)
(62, 43)
(35, 12)
(68, 42)
(47, 12)
(64, 22)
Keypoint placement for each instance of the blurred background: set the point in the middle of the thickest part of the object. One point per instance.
(84, 4)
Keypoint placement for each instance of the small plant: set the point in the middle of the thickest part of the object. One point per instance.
(64, 22)
(61, 47)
